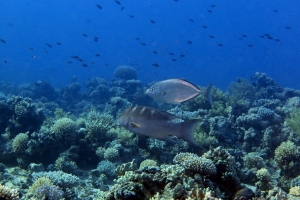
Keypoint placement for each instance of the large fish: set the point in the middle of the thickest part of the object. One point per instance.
(177, 91)
(157, 124)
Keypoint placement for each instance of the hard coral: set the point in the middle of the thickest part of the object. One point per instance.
(7, 193)
(285, 153)
(195, 163)
(19, 143)
(294, 121)
(125, 72)
(64, 128)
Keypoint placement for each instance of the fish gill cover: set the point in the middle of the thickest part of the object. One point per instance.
(68, 71)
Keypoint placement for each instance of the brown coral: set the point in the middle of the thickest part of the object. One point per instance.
(8, 193)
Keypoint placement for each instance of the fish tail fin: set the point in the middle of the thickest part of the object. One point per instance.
(208, 93)
(186, 131)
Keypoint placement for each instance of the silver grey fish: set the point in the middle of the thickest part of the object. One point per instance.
(177, 91)
(157, 124)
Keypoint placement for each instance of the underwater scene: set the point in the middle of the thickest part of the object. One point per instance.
(149, 100)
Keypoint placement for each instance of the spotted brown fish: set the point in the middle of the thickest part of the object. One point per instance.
(157, 124)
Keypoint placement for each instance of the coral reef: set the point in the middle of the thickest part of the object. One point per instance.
(65, 142)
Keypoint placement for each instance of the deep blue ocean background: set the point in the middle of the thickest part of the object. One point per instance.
(211, 40)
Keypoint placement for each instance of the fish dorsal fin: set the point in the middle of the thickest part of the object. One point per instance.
(169, 116)
(190, 83)
(151, 113)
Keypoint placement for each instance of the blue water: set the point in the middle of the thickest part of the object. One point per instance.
(237, 25)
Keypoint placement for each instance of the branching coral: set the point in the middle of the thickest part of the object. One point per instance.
(195, 163)
(64, 128)
(98, 124)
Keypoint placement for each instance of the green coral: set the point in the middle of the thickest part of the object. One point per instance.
(285, 153)
(147, 162)
(111, 154)
(195, 163)
(19, 143)
(253, 160)
(38, 183)
(63, 128)
(294, 121)
(98, 124)
(202, 138)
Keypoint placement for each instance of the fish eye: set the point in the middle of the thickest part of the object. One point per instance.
(152, 89)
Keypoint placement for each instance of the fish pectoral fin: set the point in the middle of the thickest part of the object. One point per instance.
(134, 125)
(163, 93)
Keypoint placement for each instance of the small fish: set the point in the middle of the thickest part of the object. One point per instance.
(155, 52)
(275, 10)
(157, 124)
(182, 55)
(58, 43)
(209, 11)
(288, 27)
(75, 57)
(131, 16)
(96, 40)
(177, 91)
(97, 54)
(142, 43)
(176, 0)
(204, 26)
(30, 48)
(213, 5)
(155, 65)
(172, 54)
(49, 45)
(244, 35)
(244, 193)
(152, 21)
(190, 42)
(84, 65)
(269, 37)
(80, 60)
(220, 45)
(211, 36)
(98, 6)
(85, 35)
(173, 59)
(118, 2)
(5, 61)
(137, 38)
(122, 8)
(191, 20)
(277, 40)
(262, 36)
(250, 45)
(69, 62)
(3, 41)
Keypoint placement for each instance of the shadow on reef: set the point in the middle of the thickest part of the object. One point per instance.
(66, 143)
